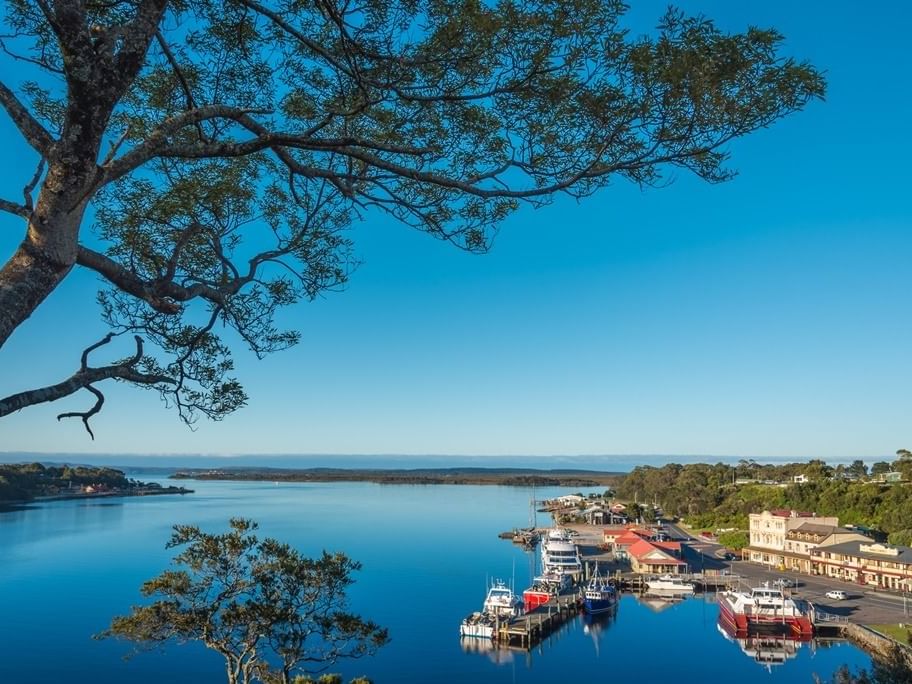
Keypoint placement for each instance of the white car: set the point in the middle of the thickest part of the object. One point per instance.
(837, 595)
(783, 583)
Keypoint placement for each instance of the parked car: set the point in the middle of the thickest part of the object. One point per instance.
(784, 583)
(730, 556)
(837, 595)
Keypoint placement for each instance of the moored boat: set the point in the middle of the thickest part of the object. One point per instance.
(669, 584)
(480, 625)
(501, 601)
(544, 588)
(559, 554)
(763, 606)
(598, 595)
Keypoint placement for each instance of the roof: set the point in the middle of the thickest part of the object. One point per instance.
(632, 537)
(668, 545)
(815, 529)
(853, 548)
(787, 513)
(648, 553)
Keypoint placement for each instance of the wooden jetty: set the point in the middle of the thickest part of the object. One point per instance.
(526, 631)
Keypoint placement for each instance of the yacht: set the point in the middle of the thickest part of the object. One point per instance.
(560, 555)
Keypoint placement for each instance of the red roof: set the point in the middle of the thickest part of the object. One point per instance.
(668, 546)
(632, 537)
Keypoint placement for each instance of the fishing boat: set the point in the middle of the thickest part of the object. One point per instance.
(544, 588)
(480, 625)
(501, 601)
(669, 584)
(598, 595)
(763, 606)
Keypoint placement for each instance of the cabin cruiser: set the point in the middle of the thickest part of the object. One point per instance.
(501, 601)
(669, 584)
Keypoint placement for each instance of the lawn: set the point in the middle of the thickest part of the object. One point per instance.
(900, 632)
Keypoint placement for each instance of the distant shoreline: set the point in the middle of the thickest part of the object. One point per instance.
(145, 491)
(511, 477)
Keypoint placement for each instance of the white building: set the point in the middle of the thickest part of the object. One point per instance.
(769, 531)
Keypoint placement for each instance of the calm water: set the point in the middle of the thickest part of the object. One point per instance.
(66, 568)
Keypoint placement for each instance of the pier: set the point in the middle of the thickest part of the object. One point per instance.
(526, 631)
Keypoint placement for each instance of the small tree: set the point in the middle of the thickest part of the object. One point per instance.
(269, 611)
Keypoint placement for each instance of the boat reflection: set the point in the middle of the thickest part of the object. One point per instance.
(766, 649)
(486, 647)
(597, 625)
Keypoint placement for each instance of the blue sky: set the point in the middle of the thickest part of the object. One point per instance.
(768, 316)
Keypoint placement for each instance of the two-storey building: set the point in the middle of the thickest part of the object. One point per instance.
(769, 531)
(883, 566)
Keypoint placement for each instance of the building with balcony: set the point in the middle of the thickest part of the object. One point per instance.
(883, 566)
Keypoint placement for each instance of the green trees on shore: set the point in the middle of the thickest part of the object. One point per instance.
(21, 482)
(722, 495)
(274, 615)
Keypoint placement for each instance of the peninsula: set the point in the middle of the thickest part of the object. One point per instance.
(26, 482)
(516, 477)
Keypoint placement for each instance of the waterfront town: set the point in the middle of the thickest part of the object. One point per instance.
(801, 576)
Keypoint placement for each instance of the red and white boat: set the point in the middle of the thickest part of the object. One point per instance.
(543, 589)
(763, 606)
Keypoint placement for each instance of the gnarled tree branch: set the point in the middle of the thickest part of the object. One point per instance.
(82, 379)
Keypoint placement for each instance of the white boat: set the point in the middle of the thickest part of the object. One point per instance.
(480, 625)
(763, 605)
(501, 601)
(560, 555)
(669, 584)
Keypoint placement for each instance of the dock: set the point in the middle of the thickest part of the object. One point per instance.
(527, 631)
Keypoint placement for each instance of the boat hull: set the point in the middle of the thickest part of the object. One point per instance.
(533, 599)
(742, 623)
(595, 606)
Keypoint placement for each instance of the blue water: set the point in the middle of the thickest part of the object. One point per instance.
(66, 568)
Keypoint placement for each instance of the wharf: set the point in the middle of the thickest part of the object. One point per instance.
(705, 582)
(528, 630)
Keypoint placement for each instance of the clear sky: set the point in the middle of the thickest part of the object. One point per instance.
(768, 316)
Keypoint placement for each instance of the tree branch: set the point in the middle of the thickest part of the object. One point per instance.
(13, 208)
(82, 379)
(85, 415)
(33, 132)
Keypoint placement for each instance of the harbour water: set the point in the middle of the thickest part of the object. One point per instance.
(427, 552)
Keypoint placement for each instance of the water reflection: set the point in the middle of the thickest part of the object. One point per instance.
(766, 649)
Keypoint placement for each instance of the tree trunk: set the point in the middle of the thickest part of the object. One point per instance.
(48, 252)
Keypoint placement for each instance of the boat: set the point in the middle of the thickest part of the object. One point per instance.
(501, 601)
(669, 584)
(560, 555)
(544, 588)
(598, 595)
(764, 606)
(480, 625)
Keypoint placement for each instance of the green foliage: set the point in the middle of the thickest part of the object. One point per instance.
(253, 134)
(270, 612)
(706, 497)
(21, 482)
(736, 539)
(892, 668)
